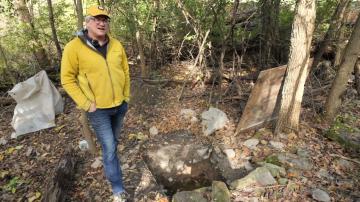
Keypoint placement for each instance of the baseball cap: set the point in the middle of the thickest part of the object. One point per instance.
(97, 10)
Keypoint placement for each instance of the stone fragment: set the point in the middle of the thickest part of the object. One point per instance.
(275, 170)
(212, 120)
(251, 143)
(97, 163)
(260, 176)
(230, 153)
(320, 195)
(220, 192)
(188, 196)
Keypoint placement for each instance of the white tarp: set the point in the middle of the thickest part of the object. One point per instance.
(37, 103)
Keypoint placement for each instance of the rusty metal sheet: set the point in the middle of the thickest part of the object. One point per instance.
(260, 106)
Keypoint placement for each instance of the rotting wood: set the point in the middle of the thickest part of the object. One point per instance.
(62, 178)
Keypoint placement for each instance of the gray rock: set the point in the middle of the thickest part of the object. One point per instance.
(275, 170)
(212, 120)
(295, 161)
(260, 176)
(324, 174)
(302, 152)
(230, 153)
(97, 163)
(251, 143)
(188, 196)
(320, 195)
(277, 145)
(220, 192)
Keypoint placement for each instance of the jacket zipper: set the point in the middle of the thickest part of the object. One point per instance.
(107, 67)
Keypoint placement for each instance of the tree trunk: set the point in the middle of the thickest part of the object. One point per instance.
(333, 31)
(339, 85)
(153, 48)
(139, 42)
(53, 30)
(79, 13)
(357, 77)
(228, 35)
(36, 46)
(297, 68)
(270, 32)
(3, 55)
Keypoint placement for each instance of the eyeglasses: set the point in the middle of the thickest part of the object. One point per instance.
(100, 19)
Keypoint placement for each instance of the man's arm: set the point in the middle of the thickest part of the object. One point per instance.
(69, 73)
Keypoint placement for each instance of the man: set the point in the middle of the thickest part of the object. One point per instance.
(95, 73)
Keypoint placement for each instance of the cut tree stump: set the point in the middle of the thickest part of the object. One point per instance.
(62, 178)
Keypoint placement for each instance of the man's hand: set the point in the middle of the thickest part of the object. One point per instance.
(92, 107)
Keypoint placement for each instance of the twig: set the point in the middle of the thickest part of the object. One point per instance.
(195, 63)
(346, 158)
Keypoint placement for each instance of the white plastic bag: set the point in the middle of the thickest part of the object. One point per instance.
(37, 103)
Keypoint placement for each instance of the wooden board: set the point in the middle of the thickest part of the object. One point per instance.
(260, 106)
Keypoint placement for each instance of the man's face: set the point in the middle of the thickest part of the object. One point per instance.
(98, 26)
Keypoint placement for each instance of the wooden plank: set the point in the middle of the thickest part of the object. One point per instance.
(260, 106)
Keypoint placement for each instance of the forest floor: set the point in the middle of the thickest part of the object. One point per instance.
(27, 163)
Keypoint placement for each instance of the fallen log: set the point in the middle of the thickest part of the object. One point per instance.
(62, 178)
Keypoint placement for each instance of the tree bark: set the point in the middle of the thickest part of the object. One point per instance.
(339, 85)
(139, 42)
(53, 30)
(79, 13)
(333, 31)
(35, 44)
(3, 55)
(357, 77)
(153, 38)
(297, 68)
(270, 32)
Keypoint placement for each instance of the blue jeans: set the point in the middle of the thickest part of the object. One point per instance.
(107, 124)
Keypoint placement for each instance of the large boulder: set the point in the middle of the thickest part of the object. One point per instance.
(179, 159)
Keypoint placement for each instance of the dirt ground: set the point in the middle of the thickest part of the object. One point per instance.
(27, 163)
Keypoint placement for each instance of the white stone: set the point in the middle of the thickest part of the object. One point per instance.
(212, 120)
(251, 143)
(320, 195)
(230, 153)
(194, 120)
(153, 131)
(188, 113)
(97, 163)
(277, 145)
(83, 145)
(13, 135)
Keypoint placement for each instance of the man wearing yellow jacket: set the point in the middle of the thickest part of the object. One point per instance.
(95, 73)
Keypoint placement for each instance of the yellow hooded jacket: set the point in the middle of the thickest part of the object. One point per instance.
(88, 77)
